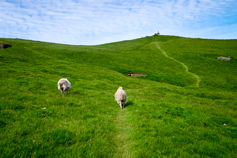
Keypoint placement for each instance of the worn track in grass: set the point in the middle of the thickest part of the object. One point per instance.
(121, 137)
(185, 66)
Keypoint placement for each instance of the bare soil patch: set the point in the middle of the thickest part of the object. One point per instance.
(135, 74)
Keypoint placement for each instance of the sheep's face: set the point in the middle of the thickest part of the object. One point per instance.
(61, 87)
(120, 88)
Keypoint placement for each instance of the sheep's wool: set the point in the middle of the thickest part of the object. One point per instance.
(64, 85)
(121, 97)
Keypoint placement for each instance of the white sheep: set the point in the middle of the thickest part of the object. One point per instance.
(225, 58)
(121, 97)
(64, 85)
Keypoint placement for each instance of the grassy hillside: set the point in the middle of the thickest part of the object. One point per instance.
(184, 107)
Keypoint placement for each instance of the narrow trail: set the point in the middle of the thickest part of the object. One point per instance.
(120, 123)
(121, 137)
(185, 66)
(49, 57)
(38, 53)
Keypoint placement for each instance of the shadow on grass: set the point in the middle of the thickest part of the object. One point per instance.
(128, 104)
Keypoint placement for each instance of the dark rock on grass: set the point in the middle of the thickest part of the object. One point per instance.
(3, 46)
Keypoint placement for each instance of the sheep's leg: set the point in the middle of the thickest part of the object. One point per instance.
(63, 92)
(121, 105)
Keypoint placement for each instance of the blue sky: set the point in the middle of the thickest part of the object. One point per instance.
(92, 22)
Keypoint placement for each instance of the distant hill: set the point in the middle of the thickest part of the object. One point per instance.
(184, 105)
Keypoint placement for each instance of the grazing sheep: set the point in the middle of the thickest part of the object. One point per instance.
(64, 85)
(225, 58)
(121, 97)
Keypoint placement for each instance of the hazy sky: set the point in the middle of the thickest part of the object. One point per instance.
(92, 22)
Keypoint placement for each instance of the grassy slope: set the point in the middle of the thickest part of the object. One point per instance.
(166, 114)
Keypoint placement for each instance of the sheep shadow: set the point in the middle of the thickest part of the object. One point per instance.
(128, 104)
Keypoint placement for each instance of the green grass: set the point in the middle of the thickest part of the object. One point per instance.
(167, 113)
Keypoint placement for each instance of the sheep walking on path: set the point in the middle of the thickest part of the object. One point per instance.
(64, 85)
(225, 58)
(121, 97)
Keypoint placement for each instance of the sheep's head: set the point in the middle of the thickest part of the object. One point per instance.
(61, 86)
